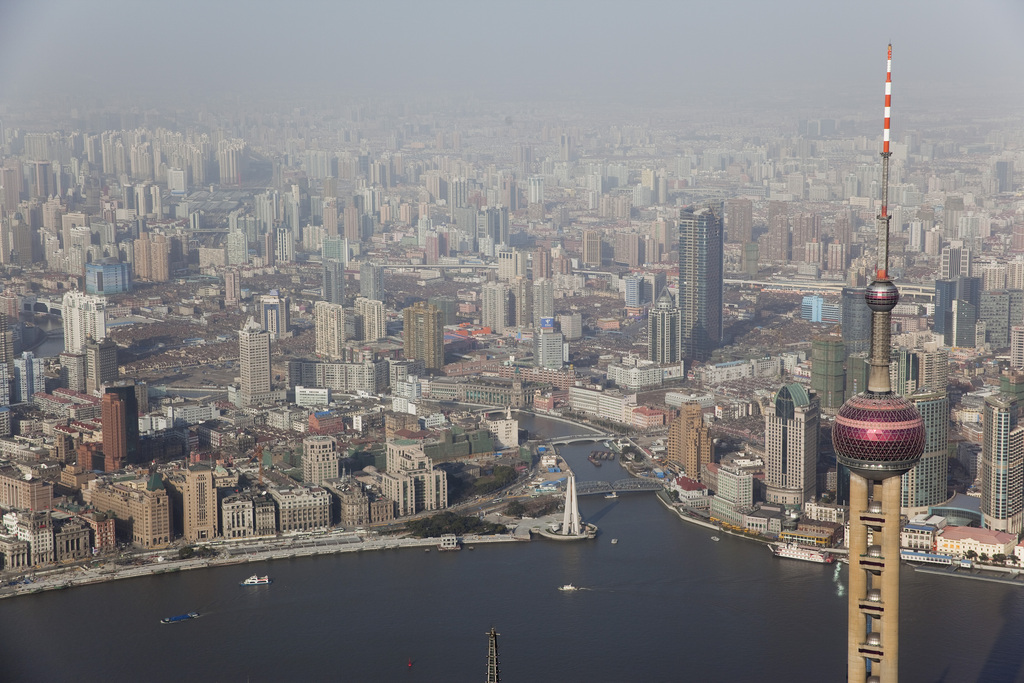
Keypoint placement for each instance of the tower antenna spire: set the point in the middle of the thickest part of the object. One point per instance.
(883, 217)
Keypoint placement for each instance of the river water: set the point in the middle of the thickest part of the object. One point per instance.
(664, 604)
(51, 346)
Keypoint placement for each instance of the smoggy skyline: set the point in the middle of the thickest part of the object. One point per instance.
(591, 51)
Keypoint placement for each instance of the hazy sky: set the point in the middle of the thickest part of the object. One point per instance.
(516, 48)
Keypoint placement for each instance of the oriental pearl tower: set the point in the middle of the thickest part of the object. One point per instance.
(878, 435)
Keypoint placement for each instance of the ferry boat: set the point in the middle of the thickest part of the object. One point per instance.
(568, 587)
(255, 580)
(795, 552)
(613, 494)
(180, 617)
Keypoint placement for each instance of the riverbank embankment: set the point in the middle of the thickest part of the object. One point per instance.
(228, 554)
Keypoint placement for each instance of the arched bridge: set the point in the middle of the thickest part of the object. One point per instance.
(589, 488)
(578, 438)
(42, 304)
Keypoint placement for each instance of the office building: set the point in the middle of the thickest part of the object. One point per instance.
(541, 263)
(739, 220)
(969, 288)
(7, 339)
(633, 291)
(198, 492)
(371, 281)
(320, 459)
(141, 513)
(663, 332)
(232, 287)
(448, 306)
(275, 315)
(1002, 465)
(924, 484)
(689, 441)
(791, 446)
(955, 261)
(571, 325)
(591, 248)
(254, 363)
(132, 397)
(237, 248)
(855, 320)
(535, 185)
(550, 350)
(495, 301)
(1003, 174)
(72, 371)
(424, 334)
(28, 378)
(1017, 347)
(100, 364)
(521, 302)
(107, 276)
(115, 432)
(543, 300)
(828, 377)
(962, 324)
(333, 287)
(511, 264)
(945, 294)
(374, 319)
(700, 283)
(412, 480)
(302, 508)
(284, 245)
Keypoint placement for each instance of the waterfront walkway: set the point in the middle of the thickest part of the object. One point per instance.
(256, 550)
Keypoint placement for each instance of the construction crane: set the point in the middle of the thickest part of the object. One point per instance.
(258, 453)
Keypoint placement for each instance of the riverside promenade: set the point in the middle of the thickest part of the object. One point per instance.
(252, 550)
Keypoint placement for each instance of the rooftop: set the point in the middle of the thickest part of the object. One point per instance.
(986, 536)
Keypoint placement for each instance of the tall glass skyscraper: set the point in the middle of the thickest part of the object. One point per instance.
(924, 484)
(855, 320)
(1002, 466)
(700, 282)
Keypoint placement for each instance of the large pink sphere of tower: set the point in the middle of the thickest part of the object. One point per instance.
(878, 436)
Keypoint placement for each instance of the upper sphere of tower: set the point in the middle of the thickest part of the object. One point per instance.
(878, 436)
(882, 296)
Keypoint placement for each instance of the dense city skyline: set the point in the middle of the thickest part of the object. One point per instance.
(369, 275)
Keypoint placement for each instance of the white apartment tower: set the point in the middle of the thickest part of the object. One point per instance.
(85, 317)
(374, 318)
(329, 323)
(254, 361)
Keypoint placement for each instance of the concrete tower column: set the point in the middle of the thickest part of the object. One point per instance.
(858, 578)
(890, 581)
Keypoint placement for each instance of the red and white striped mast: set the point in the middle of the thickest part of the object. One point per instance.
(883, 218)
